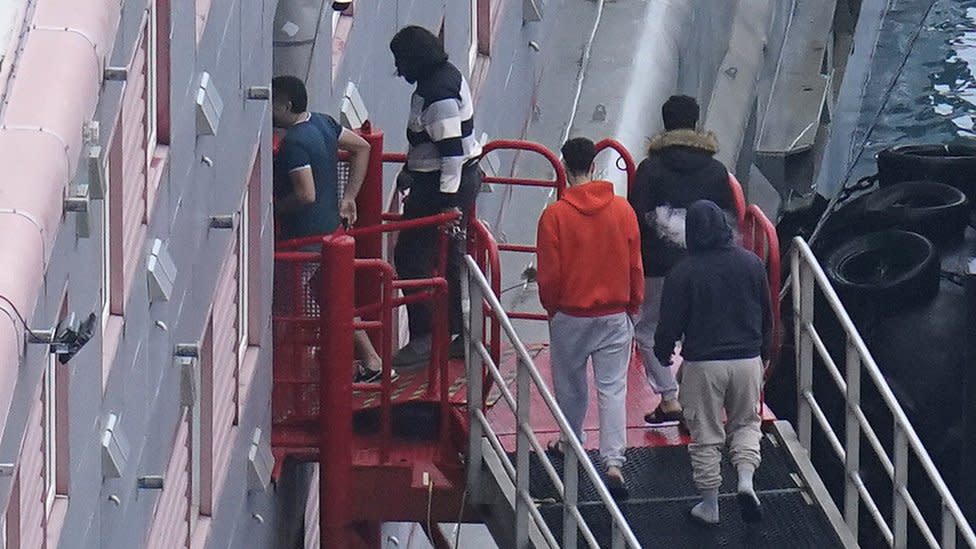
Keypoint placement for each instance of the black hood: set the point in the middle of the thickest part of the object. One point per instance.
(707, 227)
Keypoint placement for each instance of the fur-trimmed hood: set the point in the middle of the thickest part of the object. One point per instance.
(693, 139)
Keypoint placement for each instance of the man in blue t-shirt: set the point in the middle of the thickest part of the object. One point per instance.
(306, 187)
(306, 182)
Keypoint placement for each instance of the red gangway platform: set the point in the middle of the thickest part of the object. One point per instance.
(395, 450)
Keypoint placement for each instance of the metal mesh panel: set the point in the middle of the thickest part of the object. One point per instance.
(296, 336)
(790, 521)
(662, 491)
(665, 472)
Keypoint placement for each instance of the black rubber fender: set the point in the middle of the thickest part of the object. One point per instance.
(890, 269)
(953, 164)
(937, 211)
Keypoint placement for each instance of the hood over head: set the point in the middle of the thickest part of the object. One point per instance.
(707, 227)
(590, 198)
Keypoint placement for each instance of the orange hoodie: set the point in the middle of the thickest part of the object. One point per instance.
(589, 253)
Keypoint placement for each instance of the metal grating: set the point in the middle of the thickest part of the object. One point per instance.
(790, 521)
(665, 472)
(662, 491)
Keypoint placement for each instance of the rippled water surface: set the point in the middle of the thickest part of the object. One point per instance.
(933, 99)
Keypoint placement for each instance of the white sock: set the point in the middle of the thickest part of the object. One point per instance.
(707, 508)
(745, 478)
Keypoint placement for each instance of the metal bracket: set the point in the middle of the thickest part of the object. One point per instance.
(116, 74)
(258, 93)
(191, 350)
(222, 221)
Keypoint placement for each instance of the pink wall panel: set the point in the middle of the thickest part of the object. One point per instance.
(171, 520)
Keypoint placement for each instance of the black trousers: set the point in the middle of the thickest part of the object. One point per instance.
(415, 254)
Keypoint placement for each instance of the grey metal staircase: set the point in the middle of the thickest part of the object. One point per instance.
(532, 499)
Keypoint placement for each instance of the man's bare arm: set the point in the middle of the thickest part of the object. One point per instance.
(358, 149)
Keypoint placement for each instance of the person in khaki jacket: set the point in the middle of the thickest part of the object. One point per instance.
(590, 277)
(718, 300)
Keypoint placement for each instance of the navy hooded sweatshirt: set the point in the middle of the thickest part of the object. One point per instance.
(717, 298)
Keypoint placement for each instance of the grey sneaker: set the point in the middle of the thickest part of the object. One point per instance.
(415, 354)
(457, 347)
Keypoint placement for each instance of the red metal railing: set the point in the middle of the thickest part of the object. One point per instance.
(312, 403)
(739, 199)
(629, 166)
(759, 235)
(558, 182)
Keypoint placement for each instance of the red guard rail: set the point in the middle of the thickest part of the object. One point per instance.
(558, 183)
(305, 326)
(629, 165)
(759, 235)
(739, 199)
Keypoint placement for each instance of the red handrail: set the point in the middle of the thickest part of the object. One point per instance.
(760, 237)
(739, 200)
(628, 159)
(389, 227)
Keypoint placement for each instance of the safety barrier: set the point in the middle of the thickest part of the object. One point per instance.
(528, 379)
(759, 236)
(808, 277)
(624, 156)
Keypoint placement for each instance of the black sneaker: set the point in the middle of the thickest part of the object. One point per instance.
(365, 375)
(660, 418)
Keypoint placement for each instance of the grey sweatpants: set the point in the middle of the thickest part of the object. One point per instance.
(645, 324)
(607, 339)
(706, 388)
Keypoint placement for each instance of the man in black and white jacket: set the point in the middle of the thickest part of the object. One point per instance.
(441, 173)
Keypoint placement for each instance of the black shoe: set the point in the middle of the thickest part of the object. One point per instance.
(660, 418)
(365, 375)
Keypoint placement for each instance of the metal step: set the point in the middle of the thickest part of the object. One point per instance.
(798, 511)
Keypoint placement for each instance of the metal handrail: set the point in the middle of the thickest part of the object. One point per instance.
(808, 276)
(527, 374)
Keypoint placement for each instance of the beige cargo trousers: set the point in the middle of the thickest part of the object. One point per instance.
(708, 387)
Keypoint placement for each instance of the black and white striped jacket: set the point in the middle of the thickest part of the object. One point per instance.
(440, 129)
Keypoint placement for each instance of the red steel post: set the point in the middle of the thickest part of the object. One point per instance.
(335, 389)
(369, 206)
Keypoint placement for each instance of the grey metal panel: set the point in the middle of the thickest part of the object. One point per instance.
(799, 89)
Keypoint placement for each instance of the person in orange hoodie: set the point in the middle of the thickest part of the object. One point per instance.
(590, 277)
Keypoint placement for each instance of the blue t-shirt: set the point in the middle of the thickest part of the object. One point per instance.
(314, 143)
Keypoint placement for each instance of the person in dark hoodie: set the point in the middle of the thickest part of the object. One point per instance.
(717, 299)
(590, 277)
(441, 173)
(678, 170)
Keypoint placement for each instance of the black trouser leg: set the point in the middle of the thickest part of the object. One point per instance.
(415, 255)
(467, 195)
(416, 250)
